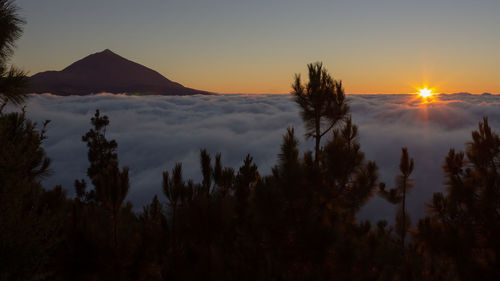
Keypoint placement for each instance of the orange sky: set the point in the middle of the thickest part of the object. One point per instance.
(231, 46)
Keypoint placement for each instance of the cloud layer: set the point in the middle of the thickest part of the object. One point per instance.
(155, 132)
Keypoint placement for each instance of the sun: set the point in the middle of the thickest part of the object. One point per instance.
(425, 93)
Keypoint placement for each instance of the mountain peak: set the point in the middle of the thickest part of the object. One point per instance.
(106, 71)
(106, 52)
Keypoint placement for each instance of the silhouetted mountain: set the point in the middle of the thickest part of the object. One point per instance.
(106, 72)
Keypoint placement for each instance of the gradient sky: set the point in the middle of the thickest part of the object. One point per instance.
(232, 46)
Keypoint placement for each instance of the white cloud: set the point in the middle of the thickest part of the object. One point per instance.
(155, 132)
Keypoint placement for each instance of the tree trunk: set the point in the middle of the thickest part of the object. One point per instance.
(173, 227)
(317, 137)
(403, 233)
(115, 239)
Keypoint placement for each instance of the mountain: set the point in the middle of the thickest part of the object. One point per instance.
(106, 72)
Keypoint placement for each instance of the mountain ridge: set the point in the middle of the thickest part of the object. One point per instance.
(106, 71)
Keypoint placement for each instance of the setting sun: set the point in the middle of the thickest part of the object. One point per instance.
(425, 93)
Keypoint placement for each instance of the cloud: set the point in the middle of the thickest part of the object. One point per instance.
(155, 132)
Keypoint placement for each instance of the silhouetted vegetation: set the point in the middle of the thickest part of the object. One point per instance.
(463, 226)
(298, 223)
(397, 195)
(322, 102)
(12, 80)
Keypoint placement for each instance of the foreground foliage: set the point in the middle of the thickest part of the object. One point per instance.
(298, 223)
(12, 79)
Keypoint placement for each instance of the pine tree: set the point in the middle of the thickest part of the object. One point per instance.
(12, 80)
(30, 216)
(398, 194)
(111, 184)
(223, 177)
(245, 181)
(101, 153)
(155, 241)
(349, 177)
(206, 171)
(174, 189)
(464, 224)
(322, 103)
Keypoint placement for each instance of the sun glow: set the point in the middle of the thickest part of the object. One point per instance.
(425, 93)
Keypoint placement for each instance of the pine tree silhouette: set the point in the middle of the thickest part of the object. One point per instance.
(322, 103)
(30, 216)
(13, 81)
(464, 224)
(350, 179)
(206, 171)
(174, 189)
(397, 195)
(111, 184)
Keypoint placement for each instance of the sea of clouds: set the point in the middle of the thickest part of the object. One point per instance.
(155, 132)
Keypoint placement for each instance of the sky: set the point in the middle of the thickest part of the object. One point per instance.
(233, 46)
